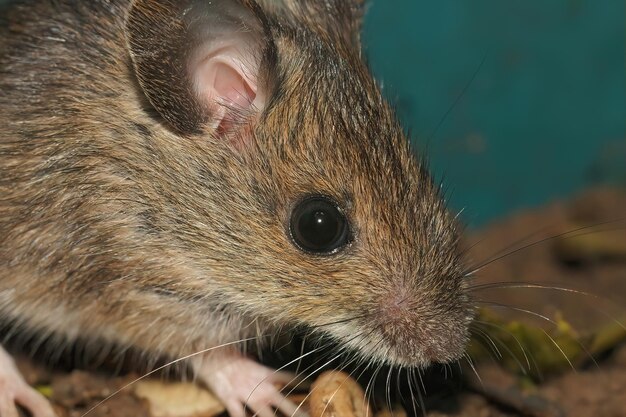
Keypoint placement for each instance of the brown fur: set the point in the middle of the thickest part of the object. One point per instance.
(119, 224)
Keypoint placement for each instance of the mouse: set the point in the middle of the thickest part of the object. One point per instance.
(179, 175)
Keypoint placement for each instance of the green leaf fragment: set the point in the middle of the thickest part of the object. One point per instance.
(45, 390)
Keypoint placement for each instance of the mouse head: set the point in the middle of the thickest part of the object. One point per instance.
(295, 188)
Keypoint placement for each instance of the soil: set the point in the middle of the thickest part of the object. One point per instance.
(578, 244)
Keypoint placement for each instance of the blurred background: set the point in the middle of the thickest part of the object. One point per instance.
(515, 102)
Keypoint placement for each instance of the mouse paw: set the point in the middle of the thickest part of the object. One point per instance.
(15, 391)
(244, 385)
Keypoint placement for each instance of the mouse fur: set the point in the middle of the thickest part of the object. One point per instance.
(128, 214)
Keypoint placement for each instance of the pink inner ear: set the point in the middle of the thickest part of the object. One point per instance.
(223, 80)
(231, 87)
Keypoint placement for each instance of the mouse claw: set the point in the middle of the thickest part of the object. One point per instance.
(245, 385)
(15, 391)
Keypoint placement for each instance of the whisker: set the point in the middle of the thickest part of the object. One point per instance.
(480, 266)
(509, 246)
(493, 349)
(340, 353)
(311, 391)
(336, 391)
(367, 366)
(281, 368)
(534, 285)
(360, 363)
(293, 380)
(302, 347)
(420, 389)
(471, 364)
(564, 355)
(554, 323)
(413, 397)
(276, 338)
(181, 359)
(459, 97)
(398, 387)
(517, 285)
(421, 379)
(519, 344)
(369, 388)
(388, 389)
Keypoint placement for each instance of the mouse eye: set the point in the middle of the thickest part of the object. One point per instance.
(318, 226)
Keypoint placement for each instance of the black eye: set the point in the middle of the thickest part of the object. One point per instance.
(318, 226)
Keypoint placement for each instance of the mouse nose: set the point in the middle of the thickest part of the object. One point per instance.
(419, 331)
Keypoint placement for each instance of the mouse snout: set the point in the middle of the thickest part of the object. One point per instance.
(421, 328)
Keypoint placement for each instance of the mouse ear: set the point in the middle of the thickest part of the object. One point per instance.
(199, 62)
(339, 20)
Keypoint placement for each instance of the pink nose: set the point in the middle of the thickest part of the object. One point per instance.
(421, 332)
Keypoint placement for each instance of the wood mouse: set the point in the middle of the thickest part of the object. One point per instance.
(181, 174)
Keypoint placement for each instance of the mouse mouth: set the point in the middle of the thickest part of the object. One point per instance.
(399, 334)
(413, 351)
(419, 332)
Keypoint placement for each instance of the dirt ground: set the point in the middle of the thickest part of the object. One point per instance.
(568, 266)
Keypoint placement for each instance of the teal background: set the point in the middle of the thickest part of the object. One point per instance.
(545, 114)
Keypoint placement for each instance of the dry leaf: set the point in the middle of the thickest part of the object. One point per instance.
(178, 399)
